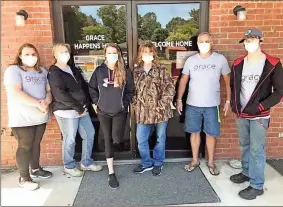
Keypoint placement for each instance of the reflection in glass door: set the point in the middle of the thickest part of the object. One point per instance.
(87, 29)
(173, 28)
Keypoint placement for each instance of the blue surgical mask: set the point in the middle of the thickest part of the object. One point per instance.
(112, 58)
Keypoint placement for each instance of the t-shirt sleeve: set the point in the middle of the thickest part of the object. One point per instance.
(225, 66)
(186, 69)
(12, 75)
(45, 72)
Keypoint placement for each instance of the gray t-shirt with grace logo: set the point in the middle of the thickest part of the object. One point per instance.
(34, 84)
(204, 85)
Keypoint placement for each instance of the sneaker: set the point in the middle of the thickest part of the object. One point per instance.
(28, 183)
(75, 172)
(239, 178)
(112, 181)
(250, 193)
(40, 173)
(157, 170)
(140, 169)
(92, 167)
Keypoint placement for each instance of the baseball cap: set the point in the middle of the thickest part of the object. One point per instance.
(252, 33)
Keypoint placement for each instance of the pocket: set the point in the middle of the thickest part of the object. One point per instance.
(264, 123)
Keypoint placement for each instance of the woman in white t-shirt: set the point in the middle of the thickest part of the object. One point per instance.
(28, 99)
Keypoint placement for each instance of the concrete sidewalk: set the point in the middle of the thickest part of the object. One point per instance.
(61, 190)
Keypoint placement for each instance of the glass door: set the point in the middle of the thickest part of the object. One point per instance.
(88, 25)
(173, 27)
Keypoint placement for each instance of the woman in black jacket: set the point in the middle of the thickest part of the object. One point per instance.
(111, 90)
(70, 104)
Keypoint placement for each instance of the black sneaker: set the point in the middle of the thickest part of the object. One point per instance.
(239, 178)
(40, 173)
(250, 193)
(140, 169)
(112, 181)
(157, 170)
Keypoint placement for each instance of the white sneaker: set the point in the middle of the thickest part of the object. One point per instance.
(92, 167)
(75, 172)
(28, 183)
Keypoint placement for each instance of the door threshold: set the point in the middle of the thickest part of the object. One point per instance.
(138, 161)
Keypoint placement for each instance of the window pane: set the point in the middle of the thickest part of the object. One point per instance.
(89, 28)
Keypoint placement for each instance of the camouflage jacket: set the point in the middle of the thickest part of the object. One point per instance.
(153, 94)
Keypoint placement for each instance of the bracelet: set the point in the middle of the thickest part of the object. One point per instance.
(228, 101)
(179, 100)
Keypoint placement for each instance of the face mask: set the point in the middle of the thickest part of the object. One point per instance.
(147, 58)
(29, 61)
(251, 47)
(204, 47)
(64, 57)
(112, 58)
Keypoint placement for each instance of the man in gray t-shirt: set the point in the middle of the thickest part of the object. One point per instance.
(204, 70)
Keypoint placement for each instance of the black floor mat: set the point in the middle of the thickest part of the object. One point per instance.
(276, 165)
(174, 186)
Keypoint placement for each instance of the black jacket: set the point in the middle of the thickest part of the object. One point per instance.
(68, 93)
(268, 91)
(110, 100)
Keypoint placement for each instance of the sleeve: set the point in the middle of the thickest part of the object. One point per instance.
(232, 86)
(12, 75)
(187, 67)
(277, 84)
(84, 85)
(168, 90)
(225, 70)
(60, 94)
(93, 88)
(128, 89)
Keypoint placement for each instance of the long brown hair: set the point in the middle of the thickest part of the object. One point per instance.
(59, 45)
(152, 48)
(18, 61)
(119, 69)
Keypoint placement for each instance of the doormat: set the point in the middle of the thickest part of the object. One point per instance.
(174, 186)
(276, 165)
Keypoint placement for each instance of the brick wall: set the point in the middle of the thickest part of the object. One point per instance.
(38, 31)
(227, 31)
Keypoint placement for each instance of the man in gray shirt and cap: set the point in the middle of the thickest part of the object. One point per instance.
(256, 86)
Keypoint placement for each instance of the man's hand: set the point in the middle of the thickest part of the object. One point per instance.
(227, 108)
(84, 113)
(179, 106)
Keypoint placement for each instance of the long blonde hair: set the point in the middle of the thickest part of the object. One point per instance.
(152, 48)
(18, 60)
(55, 48)
(119, 68)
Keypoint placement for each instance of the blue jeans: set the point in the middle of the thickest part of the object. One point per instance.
(143, 132)
(69, 128)
(252, 134)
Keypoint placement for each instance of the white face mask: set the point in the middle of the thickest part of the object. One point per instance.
(204, 47)
(251, 47)
(147, 58)
(64, 57)
(29, 61)
(112, 58)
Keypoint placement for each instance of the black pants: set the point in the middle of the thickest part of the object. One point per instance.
(113, 131)
(28, 151)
